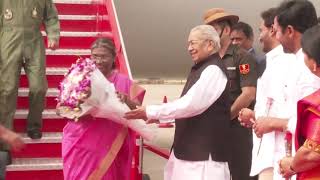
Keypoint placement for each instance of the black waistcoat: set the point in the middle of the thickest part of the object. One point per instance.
(207, 133)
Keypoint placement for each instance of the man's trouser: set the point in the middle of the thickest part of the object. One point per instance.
(4, 160)
(241, 151)
(22, 49)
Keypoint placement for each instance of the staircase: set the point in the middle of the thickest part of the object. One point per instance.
(82, 21)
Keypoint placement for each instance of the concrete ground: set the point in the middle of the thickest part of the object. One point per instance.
(153, 164)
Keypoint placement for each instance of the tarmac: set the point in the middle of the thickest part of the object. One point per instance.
(153, 164)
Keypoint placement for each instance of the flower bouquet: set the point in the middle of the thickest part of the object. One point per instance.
(85, 90)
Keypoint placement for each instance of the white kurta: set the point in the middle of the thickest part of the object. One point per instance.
(272, 84)
(286, 80)
(306, 83)
(199, 97)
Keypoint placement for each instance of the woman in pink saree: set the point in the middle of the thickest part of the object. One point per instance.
(306, 162)
(95, 148)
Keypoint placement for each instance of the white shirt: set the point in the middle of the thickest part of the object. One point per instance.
(287, 80)
(272, 85)
(305, 83)
(199, 97)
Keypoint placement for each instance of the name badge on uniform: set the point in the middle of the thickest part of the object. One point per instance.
(8, 14)
(231, 68)
(34, 13)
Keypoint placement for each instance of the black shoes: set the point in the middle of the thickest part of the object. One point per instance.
(35, 134)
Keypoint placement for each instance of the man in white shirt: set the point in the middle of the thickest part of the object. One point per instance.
(294, 83)
(271, 87)
(202, 114)
(294, 17)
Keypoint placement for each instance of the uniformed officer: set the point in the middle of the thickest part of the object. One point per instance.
(242, 75)
(22, 45)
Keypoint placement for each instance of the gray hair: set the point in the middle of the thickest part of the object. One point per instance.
(104, 43)
(208, 32)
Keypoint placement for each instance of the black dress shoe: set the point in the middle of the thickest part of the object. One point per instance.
(35, 134)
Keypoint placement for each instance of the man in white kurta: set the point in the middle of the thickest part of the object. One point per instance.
(291, 82)
(284, 82)
(199, 99)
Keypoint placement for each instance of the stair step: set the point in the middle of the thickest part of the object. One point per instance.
(49, 125)
(77, 9)
(54, 77)
(50, 103)
(81, 34)
(52, 71)
(73, 1)
(51, 92)
(47, 137)
(53, 81)
(71, 39)
(35, 175)
(84, 25)
(23, 102)
(80, 17)
(47, 114)
(49, 146)
(75, 42)
(35, 164)
(65, 57)
(73, 52)
(62, 60)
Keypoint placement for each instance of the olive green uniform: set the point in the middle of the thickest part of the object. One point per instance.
(22, 45)
(242, 72)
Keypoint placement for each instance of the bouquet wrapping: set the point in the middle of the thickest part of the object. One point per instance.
(85, 90)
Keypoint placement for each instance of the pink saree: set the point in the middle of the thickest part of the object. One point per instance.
(86, 142)
(308, 130)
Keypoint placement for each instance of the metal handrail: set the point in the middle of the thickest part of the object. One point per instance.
(165, 153)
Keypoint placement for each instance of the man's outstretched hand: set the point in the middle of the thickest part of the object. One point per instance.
(12, 138)
(139, 113)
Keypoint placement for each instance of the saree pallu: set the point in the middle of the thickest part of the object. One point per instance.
(86, 143)
(308, 130)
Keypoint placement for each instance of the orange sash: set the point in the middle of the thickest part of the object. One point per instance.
(136, 94)
(106, 162)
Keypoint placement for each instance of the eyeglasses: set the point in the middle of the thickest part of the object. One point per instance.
(193, 43)
(101, 58)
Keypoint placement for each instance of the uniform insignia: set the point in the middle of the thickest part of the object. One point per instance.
(34, 13)
(244, 68)
(8, 14)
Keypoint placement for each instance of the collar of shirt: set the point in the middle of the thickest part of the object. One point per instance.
(274, 52)
(300, 55)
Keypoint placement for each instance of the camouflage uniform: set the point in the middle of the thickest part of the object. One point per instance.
(22, 45)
